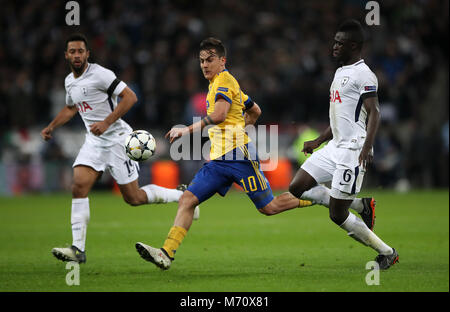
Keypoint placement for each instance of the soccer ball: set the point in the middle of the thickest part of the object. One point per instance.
(140, 145)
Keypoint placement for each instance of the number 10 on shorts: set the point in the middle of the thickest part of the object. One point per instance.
(251, 184)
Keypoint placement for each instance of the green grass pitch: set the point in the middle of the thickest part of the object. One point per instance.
(232, 247)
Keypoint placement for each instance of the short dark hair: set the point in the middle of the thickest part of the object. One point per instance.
(213, 43)
(77, 37)
(354, 31)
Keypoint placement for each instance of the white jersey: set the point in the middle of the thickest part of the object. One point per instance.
(95, 95)
(347, 113)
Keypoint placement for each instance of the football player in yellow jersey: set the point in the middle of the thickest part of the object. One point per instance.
(233, 156)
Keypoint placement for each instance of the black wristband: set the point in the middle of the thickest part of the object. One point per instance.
(207, 120)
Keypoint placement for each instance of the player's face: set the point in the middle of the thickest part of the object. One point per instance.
(77, 55)
(211, 64)
(342, 48)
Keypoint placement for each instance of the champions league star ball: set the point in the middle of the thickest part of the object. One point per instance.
(140, 145)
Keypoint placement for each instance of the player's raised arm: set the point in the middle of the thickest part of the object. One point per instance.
(218, 116)
(252, 113)
(370, 102)
(128, 99)
(310, 146)
(63, 116)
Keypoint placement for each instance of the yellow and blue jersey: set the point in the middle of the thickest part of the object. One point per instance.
(229, 134)
(233, 156)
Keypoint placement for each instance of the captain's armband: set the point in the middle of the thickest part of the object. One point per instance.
(248, 104)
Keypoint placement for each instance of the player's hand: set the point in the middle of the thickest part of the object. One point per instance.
(176, 133)
(46, 133)
(99, 127)
(365, 157)
(310, 146)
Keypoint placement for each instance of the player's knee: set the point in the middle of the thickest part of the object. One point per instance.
(187, 201)
(79, 190)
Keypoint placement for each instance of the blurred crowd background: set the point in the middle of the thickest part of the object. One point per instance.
(278, 50)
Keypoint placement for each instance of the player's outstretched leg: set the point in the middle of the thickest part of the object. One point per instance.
(283, 202)
(148, 194)
(152, 194)
(359, 231)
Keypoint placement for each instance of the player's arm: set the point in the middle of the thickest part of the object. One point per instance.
(63, 116)
(128, 99)
(221, 108)
(252, 113)
(310, 146)
(370, 102)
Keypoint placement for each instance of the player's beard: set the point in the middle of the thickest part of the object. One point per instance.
(78, 69)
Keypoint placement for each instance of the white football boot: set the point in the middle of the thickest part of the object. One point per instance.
(71, 253)
(155, 255)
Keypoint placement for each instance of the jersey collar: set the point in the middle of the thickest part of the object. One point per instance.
(354, 64)
(85, 71)
(217, 75)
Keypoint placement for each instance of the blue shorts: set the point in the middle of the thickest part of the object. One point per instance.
(217, 176)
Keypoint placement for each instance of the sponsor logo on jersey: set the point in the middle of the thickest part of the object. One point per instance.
(334, 96)
(83, 107)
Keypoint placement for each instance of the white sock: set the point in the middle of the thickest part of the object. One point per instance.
(358, 230)
(158, 194)
(79, 220)
(321, 195)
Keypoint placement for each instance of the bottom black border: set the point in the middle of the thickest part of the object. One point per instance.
(215, 301)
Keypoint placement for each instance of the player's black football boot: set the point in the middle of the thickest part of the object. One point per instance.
(368, 213)
(182, 187)
(385, 262)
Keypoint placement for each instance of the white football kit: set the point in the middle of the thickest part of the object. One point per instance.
(338, 161)
(94, 94)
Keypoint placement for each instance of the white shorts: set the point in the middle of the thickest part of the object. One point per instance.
(338, 165)
(122, 169)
